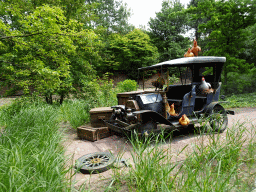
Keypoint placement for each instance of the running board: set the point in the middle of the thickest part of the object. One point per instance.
(192, 121)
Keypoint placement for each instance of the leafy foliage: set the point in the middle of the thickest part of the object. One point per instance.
(195, 21)
(241, 83)
(112, 15)
(132, 51)
(225, 29)
(249, 44)
(46, 51)
(241, 100)
(166, 30)
(127, 85)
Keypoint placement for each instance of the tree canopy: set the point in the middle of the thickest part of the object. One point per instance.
(112, 15)
(132, 51)
(167, 30)
(226, 21)
(59, 47)
(39, 52)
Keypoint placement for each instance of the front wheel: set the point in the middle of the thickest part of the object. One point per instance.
(148, 127)
(218, 119)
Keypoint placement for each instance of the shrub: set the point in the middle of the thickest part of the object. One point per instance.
(241, 82)
(99, 93)
(127, 85)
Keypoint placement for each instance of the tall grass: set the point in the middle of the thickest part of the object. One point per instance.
(214, 162)
(76, 112)
(153, 167)
(31, 155)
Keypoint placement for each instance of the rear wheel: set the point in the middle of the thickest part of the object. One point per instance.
(218, 119)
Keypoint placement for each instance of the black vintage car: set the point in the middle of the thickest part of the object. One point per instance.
(144, 110)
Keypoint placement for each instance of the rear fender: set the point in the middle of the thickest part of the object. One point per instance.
(148, 115)
(210, 107)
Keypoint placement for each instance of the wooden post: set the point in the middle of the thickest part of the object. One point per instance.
(167, 79)
(165, 103)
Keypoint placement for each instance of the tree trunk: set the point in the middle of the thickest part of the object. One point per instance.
(48, 99)
(225, 80)
(62, 96)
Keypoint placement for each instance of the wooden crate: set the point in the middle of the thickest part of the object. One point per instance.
(91, 133)
(98, 114)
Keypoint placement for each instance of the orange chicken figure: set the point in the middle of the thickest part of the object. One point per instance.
(172, 111)
(189, 53)
(184, 120)
(195, 49)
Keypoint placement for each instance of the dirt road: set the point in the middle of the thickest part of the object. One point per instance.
(120, 145)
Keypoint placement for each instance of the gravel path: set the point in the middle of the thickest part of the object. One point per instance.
(244, 110)
(6, 100)
(77, 148)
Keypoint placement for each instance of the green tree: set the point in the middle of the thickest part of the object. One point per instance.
(132, 51)
(194, 22)
(72, 9)
(112, 15)
(250, 44)
(227, 21)
(45, 51)
(167, 29)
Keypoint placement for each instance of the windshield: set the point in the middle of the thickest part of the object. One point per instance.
(151, 98)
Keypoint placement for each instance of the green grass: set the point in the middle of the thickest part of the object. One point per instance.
(214, 162)
(241, 100)
(31, 154)
(76, 112)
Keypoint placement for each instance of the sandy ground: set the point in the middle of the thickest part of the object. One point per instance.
(120, 145)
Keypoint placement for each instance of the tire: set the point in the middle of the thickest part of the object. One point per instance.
(95, 162)
(218, 119)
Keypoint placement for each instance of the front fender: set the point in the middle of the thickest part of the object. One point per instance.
(148, 115)
(118, 107)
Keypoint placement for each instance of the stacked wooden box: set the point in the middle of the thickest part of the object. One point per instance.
(97, 130)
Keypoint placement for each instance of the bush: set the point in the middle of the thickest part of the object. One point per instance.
(127, 85)
(99, 93)
(107, 95)
(173, 79)
(241, 82)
